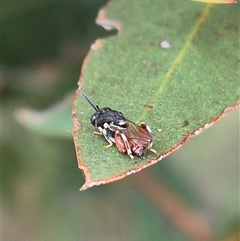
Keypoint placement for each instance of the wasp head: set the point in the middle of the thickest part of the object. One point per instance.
(105, 115)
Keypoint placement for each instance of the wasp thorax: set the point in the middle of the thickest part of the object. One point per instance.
(109, 116)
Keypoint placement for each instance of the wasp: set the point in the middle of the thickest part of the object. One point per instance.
(128, 137)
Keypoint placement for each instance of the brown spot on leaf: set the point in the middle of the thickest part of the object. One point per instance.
(148, 106)
(185, 123)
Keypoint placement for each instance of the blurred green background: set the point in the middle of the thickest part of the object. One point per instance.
(191, 195)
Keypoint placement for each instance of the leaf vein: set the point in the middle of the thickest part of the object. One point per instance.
(179, 57)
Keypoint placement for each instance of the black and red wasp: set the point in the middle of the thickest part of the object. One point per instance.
(129, 137)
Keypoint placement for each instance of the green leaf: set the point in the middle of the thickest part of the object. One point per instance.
(181, 89)
(53, 122)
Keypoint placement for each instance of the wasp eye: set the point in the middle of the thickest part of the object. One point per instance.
(95, 118)
(92, 119)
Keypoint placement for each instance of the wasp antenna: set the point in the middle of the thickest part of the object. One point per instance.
(90, 102)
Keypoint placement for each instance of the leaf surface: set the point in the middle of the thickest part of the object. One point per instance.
(180, 88)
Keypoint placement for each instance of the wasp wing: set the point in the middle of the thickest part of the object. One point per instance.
(136, 132)
(133, 132)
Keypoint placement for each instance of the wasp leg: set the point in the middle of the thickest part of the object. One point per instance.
(97, 133)
(155, 152)
(113, 127)
(132, 158)
(109, 139)
(107, 146)
(100, 132)
(145, 126)
(126, 145)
